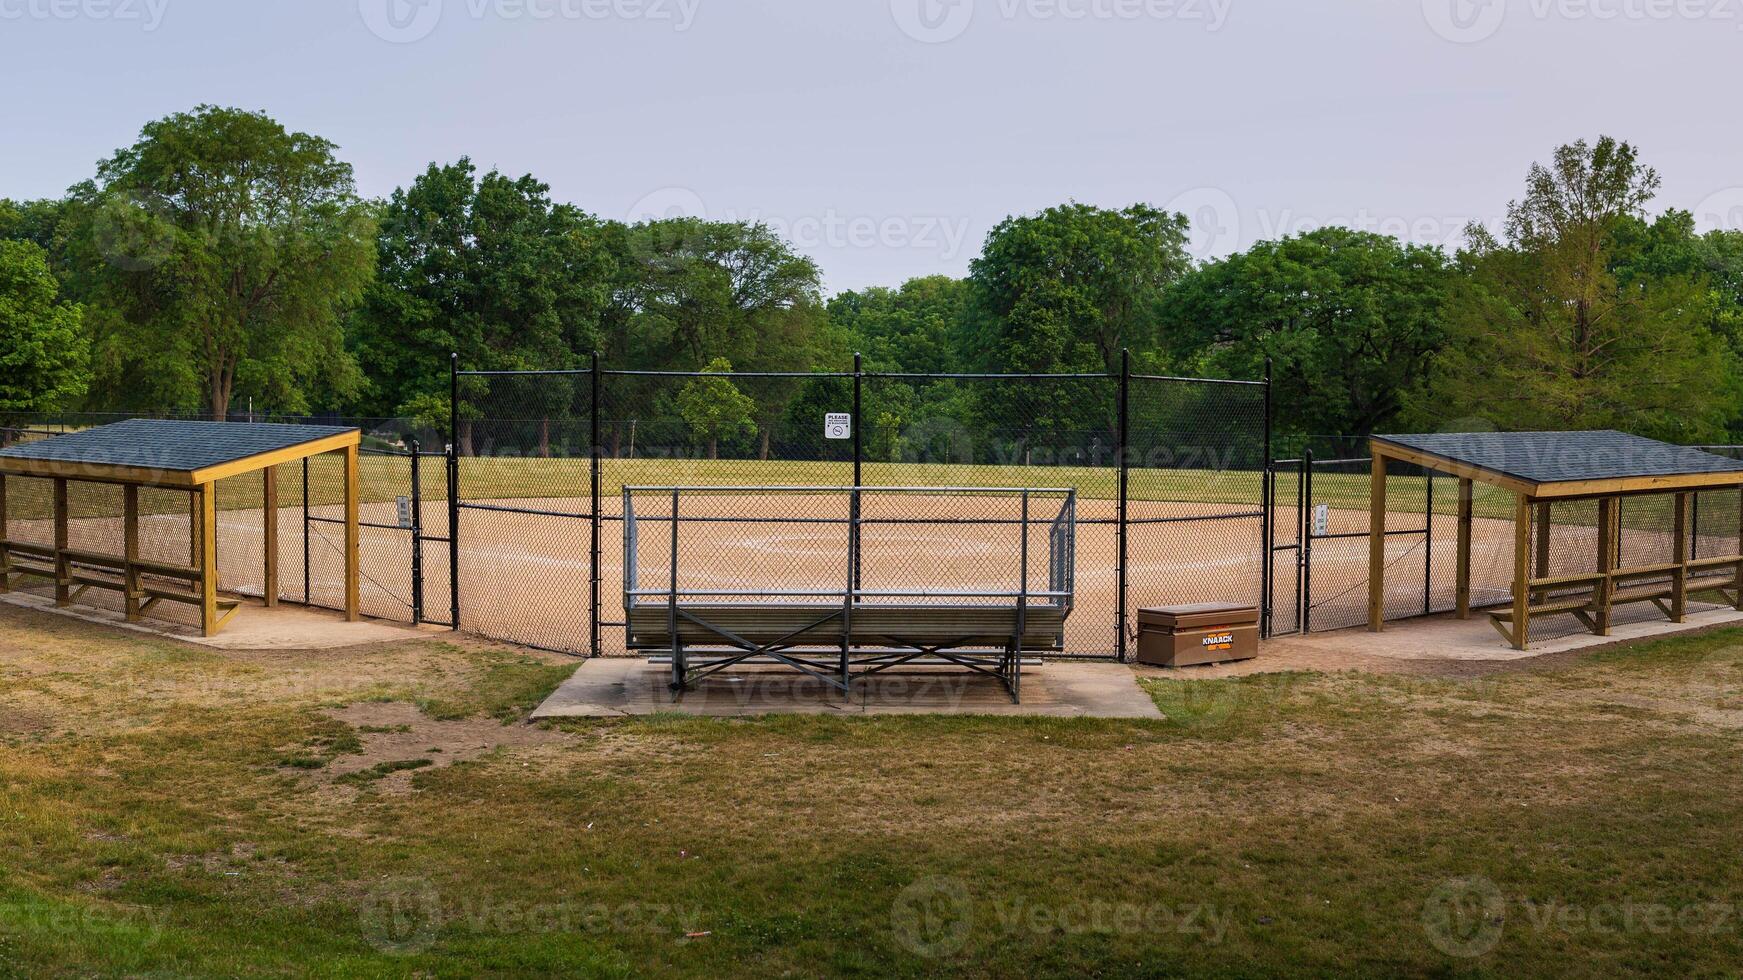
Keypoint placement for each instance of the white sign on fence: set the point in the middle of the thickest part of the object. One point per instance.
(1322, 520)
(404, 505)
(837, 425)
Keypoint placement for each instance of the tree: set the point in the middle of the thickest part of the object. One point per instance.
(1067, 289)
(915, 328)
(230, 250)
(1562, 326)
(715, 409)
(44, 355)
(486, 266)
(1350, 320)
(691, 290)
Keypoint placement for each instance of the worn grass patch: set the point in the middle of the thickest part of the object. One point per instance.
(172, 820)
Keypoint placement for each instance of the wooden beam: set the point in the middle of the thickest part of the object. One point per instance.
(194, 528)
(1377, 543)
(207, 560)
(130, 591)
(289, 454)
(62, 568)
(1604, 597)
(353, 491)
(1462, 588)
(1638, 485)
(1679, 578)
(1457, 468)
(1521, 572)
(269, 529)
(94, 472)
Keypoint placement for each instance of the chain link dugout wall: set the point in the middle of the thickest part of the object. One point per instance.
(543, 457)
(1320, 543)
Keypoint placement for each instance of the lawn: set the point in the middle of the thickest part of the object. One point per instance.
(173, 810)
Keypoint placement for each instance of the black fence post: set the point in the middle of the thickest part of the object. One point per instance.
(1123, 438)
(305, 530)
(593, 479)
(858, 461)
(417, 516)
(1266, 525)
(454, 490)
(1428, 548)
(1307, 533)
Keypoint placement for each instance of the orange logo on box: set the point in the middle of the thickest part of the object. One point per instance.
(1218, 641)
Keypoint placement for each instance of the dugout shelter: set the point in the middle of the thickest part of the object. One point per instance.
(161, 455)
(1587, 478)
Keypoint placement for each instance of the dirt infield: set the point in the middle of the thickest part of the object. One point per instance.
(525, 577)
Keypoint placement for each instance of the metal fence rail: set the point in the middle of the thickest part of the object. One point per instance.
(1169, 474)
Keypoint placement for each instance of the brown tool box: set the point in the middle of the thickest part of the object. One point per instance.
(1204, 633)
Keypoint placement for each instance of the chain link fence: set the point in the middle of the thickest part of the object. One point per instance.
(1168, 474)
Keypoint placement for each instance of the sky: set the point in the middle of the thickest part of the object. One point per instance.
(886, 138)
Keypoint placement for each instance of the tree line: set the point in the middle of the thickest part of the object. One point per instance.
(223, 260)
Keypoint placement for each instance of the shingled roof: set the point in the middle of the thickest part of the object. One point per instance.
(1541, 460)
(175, 452)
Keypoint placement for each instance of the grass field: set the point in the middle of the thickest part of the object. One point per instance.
(173, 810)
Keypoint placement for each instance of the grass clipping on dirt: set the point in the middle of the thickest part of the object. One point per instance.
(174, 809)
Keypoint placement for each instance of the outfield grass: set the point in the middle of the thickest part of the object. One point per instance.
(176, 810)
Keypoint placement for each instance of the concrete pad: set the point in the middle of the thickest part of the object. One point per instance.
(254, 627)
(611, 687)
(1415, 644)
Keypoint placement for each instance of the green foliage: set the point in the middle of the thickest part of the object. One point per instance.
(44, 355)
(715, 409)
(916, 328)
(224, 251)
(489, 267)
(1350, 320)
(1067, 289)
(1584, 317)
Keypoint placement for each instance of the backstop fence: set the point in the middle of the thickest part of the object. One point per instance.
(1168, 474)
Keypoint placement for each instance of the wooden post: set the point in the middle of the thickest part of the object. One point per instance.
(1679, 576)
(1606, 565)
(352, 492)
(269, 528)
(1462, 588)
(130, 550)
(207, 562)
(1738, 595)
(1377, 544)
(1542, 529)
(1521, 572)
(63, 569)
(5, 553)
(194, 528)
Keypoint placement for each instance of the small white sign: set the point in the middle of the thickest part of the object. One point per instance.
(405, 511)
(1322, 520)
(837, 425)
